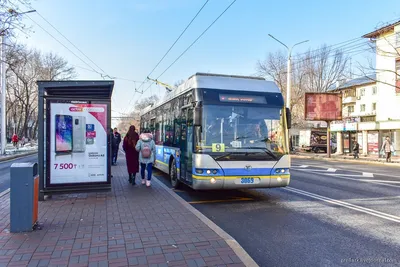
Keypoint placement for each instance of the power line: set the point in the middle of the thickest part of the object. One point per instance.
(348, 41)
(64, 37)
(62, 44)
(198, 12)
(103, 74)
(194, 42)
(112, 77)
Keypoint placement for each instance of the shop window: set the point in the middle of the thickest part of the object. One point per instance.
(350, 109)
(368, 118)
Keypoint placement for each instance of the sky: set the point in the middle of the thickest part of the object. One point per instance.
(127, 38)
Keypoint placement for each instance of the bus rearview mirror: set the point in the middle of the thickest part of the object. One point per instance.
(288, 118)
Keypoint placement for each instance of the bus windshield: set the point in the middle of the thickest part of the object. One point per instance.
(238, 129)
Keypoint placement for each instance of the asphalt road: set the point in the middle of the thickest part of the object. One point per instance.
(332, 214)
(5, 170)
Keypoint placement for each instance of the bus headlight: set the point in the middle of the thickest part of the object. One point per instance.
(199, 171)
(213, 180)
(208, 171)
(214, 171)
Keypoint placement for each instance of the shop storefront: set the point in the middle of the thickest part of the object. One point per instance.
(349, 133)
(391, 129)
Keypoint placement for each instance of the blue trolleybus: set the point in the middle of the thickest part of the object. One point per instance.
(221, 132)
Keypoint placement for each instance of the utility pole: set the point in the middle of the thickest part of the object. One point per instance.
(3, 94)
(288, 82)
(3, 125)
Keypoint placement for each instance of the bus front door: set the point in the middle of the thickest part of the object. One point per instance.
(186, 146)
(183, 155)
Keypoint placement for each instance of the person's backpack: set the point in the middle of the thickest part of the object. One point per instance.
(146, 150)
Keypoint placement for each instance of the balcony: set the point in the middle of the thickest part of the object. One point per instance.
(349, 99)
(363, 114)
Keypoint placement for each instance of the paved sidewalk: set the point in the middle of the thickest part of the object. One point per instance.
(130, 226)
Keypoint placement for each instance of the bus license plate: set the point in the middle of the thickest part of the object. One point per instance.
(247, 180)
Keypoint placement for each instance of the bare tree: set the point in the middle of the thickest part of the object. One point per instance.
(314, 71)
(133, 118)
(388, 51)
(275, 68)
(10, 18)
(179, 82)
(324, 67)
(25, 67)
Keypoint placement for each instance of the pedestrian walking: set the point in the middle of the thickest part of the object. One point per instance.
(112, 141)
(117, 136)
(131, 154)
(14, 140)
(147, 155)
(387, 147)
(356, 150)
(114, 146)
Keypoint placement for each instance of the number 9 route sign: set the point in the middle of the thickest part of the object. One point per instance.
(217, 147)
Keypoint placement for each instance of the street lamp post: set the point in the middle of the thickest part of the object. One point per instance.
(3, 80)
(289, 72)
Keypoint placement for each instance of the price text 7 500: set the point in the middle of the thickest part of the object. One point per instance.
(64, 166)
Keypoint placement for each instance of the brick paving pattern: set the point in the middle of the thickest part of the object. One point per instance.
(129, 226)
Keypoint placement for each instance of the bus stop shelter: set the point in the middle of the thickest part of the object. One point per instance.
(74, 136)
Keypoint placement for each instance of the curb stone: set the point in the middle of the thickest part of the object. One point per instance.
(235, 246)
(376, 162)
(7, 158)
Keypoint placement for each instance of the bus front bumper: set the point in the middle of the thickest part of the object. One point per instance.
(223, 182)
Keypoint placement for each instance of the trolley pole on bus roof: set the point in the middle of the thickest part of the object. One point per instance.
(288, 83)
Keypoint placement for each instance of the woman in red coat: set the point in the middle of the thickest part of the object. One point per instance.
(131, 155)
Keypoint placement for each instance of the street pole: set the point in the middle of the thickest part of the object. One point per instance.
(3, 95)
(328, 137)
(288, 82)
(3, 125)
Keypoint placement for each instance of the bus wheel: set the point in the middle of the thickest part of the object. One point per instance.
(174, 175)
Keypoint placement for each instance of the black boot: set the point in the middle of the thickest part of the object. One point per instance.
(130, 178)
(133, 178)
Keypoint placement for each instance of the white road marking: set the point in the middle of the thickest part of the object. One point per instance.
(380, 181)
(373, 198)
(368, 174)
(331, 170)
(352, 170)
(303, 166)
(5, 192)
(340, 176)
(345, 204)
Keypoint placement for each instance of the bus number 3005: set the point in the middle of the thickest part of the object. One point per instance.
(247, 180)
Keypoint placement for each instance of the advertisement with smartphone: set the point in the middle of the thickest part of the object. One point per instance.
(78, 143)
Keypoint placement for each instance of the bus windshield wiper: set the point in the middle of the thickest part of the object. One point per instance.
(223, 155)
(266, 150)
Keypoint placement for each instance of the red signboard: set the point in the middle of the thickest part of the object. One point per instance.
(323, 107)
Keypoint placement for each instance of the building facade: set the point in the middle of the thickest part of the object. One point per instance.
(371, 104)
(359, 110)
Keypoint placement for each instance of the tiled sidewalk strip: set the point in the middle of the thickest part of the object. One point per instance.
(130, 226)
